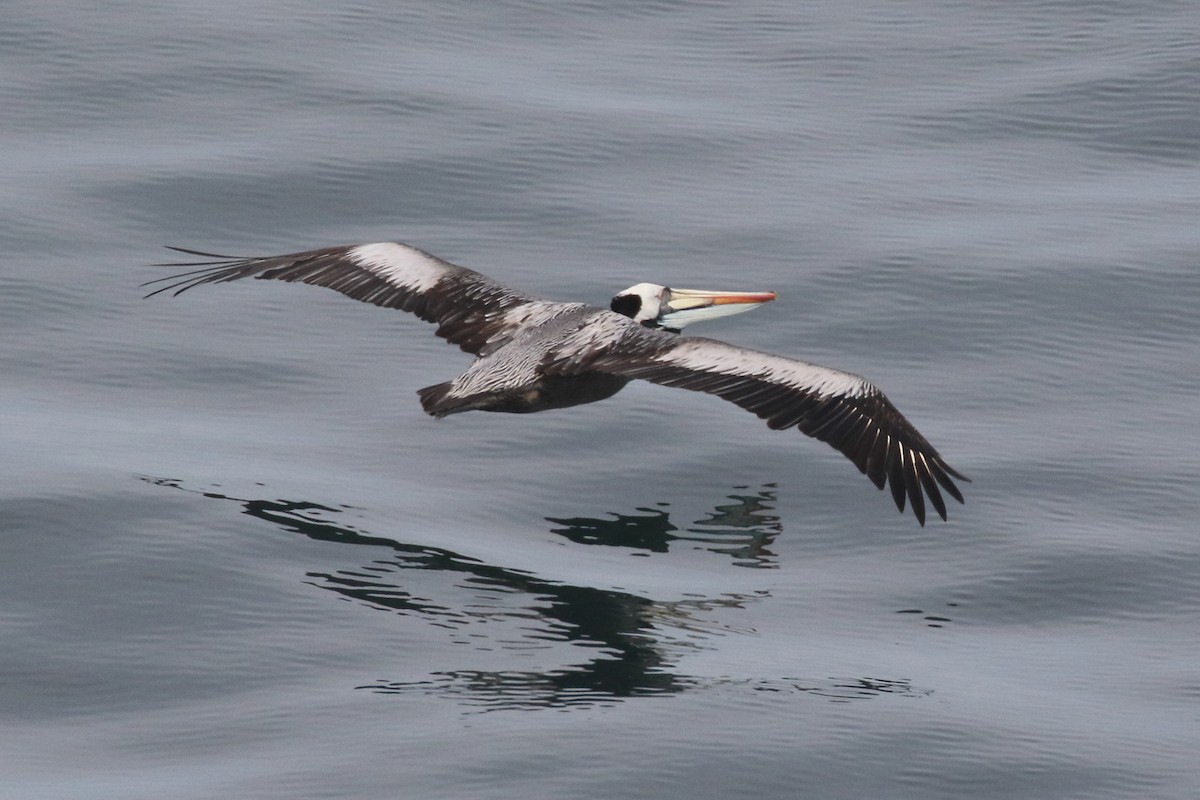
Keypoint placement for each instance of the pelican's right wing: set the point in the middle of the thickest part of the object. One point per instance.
(841, 409)
(470, 309)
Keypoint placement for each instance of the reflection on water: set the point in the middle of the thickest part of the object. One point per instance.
(742, 529)
(932, 620)
(629, 640)
(490, 691)
(835, 689)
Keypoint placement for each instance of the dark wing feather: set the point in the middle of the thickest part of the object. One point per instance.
(471, 310)
(844, 410)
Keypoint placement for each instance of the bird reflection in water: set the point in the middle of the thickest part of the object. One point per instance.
(742, 529)
(629, 639)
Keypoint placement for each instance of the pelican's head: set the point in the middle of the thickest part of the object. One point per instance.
(671, 309)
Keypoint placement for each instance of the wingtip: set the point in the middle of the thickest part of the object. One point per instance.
(200, 253)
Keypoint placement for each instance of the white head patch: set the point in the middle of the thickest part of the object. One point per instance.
(652, 296)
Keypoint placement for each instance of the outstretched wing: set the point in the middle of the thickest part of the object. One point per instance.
(844, 410)
(470, 309)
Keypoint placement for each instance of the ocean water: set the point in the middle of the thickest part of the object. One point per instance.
(237, 560)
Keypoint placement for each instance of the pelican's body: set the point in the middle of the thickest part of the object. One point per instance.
(510, 379)
(536, 355)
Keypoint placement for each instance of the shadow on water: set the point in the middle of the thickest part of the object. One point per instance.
(629, 639)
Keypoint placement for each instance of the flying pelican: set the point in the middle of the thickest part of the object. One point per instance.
(535, 354)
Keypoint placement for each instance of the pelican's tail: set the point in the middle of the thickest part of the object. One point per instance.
(436, 400)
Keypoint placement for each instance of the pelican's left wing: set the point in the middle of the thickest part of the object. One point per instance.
(470, 309)
(844, 410)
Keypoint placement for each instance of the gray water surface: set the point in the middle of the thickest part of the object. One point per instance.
(237, 560)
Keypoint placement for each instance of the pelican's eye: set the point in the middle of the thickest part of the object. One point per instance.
(627, 305)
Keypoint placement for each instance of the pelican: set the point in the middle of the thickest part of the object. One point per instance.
(536, 355)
